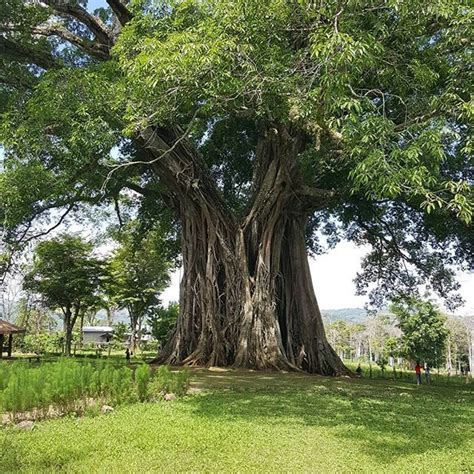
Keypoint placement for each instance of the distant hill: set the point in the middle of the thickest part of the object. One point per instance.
(353, 315)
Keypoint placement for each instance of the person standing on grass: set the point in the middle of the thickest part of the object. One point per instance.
(127, 354)
(427, 373)
(359, 371)
(418, 373)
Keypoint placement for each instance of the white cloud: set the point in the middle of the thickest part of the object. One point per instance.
(333, 274)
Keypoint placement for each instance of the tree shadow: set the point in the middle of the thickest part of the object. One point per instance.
(383, 419)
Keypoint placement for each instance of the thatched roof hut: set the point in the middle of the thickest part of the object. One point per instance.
(8, 329)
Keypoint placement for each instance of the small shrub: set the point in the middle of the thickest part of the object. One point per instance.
(142, 377)
(67, 385)
(165, 381)
(92, 410)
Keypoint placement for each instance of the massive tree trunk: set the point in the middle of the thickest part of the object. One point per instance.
(211, 287)
(246, 296)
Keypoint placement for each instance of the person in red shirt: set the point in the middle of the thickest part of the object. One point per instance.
(418, 373)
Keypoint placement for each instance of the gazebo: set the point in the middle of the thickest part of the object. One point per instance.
(8, 329)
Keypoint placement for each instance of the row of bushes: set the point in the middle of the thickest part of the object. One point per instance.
(67, 385)
(53, 343)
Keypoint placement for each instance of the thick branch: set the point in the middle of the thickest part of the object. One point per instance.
(26, 54)
(95, 25)
(97, 50)
(120, 10)
(311, 199)
(147, 192)
(316, 195)
(17, 82)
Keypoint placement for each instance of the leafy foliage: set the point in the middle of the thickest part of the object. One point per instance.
(65, 273)
(162, 321)
(42, 343)
(380, 92)
(424, 333)
(139, 270)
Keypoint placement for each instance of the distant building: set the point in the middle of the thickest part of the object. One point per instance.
(99, 335)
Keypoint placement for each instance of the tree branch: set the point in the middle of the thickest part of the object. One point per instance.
(26, 54)
(17, 82)
(92, 48)
(414, 121)
(315, 198)
(120, 10)
(117, 211)
(95, 25)
(141, 190)
(55, 226)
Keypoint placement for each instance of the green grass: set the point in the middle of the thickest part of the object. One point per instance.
(265, 422)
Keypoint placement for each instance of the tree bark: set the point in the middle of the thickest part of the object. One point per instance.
(81, 327)
(70, 318)
(67, 331)
(134, 343)
(299, 315)
(449, 364)
(471, 351)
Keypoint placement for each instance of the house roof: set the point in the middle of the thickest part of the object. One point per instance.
(100, 329)
(9, 328)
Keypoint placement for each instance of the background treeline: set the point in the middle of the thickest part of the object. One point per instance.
(378, 339)
(45, 332)
(71, 282)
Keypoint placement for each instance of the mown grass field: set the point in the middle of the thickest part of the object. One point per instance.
(263, 422)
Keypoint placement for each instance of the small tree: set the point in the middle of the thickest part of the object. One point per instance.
(120, 331)
(457, 345)
(424, 332)
(139, 271)
(391, 350)
(162, 320)
(67, 276)
(339, 334)
(33, 316)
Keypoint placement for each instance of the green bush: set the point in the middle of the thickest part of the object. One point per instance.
(166, 381)
(68, 385)
(142, 378)
(42, 343)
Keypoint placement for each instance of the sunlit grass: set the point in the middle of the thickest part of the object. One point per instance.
(248, 421)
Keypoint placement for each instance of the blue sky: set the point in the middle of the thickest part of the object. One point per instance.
(93, 4)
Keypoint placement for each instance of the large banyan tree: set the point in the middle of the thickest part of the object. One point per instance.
(269, 128)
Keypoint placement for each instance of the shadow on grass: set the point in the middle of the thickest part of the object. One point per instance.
(380, 418)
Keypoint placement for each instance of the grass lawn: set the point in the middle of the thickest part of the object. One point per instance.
(266, 422)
